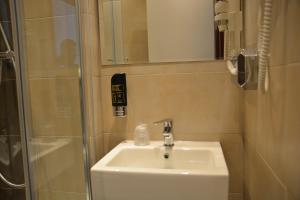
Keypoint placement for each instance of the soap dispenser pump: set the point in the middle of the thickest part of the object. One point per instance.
(119, 94)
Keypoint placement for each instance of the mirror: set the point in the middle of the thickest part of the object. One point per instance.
(154, 31)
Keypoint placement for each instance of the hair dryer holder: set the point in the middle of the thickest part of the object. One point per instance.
(244, 68)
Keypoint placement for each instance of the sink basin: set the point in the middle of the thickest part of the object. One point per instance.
(188, 171)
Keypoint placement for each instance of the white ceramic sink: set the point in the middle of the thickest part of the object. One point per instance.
(193, 171)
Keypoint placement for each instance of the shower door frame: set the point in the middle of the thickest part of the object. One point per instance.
(17, 46)
(23, 99)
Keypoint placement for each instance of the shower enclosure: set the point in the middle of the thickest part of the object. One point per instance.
(43, 145)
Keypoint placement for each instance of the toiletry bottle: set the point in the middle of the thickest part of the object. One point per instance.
(141, 135)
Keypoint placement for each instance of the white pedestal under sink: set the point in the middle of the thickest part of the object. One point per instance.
(193, 171)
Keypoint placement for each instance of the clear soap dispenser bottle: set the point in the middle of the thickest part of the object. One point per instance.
(141, 135)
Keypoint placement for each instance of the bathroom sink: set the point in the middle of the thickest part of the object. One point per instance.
(189, 170)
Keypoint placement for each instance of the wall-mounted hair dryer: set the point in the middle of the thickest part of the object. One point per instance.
(250, 67)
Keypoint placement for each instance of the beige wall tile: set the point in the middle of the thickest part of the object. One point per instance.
(89, 106)
(90, 62)
(250, 118)
(48, 8)
(284, 29)
(167, 68)
(55, 107)
(48, 195)
(186, 98)
(97, 105)
(291, 140)
(93, 7)
(95, 47)
(292, 32)
(278, 36)
(99, 146)
(271, 118)
(52, 47)
(233, 149)
(276, 131)
(92, 150)
(91, 65)
(90, 44)
(261, 183)
(59, 168)
(84, 6)
(290, 197)
(96, 148)
(235, 196)
(89, 7)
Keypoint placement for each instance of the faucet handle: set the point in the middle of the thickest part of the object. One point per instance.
(167, 123)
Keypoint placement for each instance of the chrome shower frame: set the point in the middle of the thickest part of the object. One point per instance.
(84, 122)
(16, 13)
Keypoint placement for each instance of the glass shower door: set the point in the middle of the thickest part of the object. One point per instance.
(50, 74)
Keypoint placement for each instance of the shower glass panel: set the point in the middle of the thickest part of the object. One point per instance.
(11, 162)
(50, 75)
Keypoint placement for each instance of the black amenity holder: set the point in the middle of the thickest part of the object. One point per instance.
(119, 94)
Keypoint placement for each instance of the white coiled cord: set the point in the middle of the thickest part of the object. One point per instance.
(264, 49)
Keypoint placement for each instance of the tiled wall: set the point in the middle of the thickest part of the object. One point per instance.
(90, 37)
(199, 96)
(11, 163)
(272, 128)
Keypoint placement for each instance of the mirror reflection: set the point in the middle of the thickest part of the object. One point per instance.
(153, 31)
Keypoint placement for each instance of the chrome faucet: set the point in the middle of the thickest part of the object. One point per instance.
(167, 132)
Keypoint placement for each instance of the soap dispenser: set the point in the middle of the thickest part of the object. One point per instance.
(119, 94)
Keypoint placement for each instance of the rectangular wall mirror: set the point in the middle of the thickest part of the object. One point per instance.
(154, 31)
